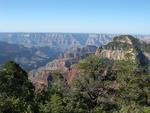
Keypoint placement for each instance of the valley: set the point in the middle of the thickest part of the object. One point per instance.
(33, 50)
(88, 78)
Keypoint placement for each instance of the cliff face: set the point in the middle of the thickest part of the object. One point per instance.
(33, 50)
(126, 47)
(72, 73)
(121, 48)
(115, 54)
(65, 41)
(28, 58)
(59, 40)
(65, 65)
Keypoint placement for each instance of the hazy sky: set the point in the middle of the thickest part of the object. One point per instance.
(98, 16)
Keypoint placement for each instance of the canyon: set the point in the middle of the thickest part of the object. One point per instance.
(34, 50)
(122, 47)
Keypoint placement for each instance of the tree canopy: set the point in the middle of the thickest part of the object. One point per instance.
(103, 86)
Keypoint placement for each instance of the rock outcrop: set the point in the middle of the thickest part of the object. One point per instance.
(28, 58)
(65, 41)
(65, 65)
(126, 47)
(33, 50)
(121, 48)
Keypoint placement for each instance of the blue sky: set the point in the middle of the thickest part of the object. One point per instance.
(94, 16)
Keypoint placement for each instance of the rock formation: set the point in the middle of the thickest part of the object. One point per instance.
(121, 48)
(65, 65)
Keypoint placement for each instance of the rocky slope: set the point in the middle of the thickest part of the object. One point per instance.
(65, 65)
(63, 40)
(118, 49)
(126, 47)
(33, 50)
(59, 40)
(121, 48)
(28, 58)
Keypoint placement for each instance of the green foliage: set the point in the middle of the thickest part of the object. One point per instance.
(131, 85)
(16, 91)
(103, 86)
(131, 108)
(118, 45)
(69, 104)
(94, 84)
(146, 109)
(56, 104)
